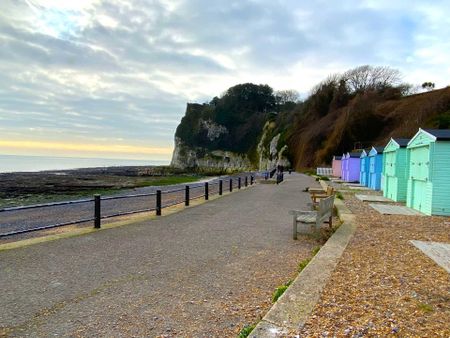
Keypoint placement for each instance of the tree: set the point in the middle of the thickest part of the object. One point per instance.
(286, 96)
(428, 86)
(242, 101)
(367, 77)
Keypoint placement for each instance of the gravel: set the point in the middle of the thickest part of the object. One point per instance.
(383, 285)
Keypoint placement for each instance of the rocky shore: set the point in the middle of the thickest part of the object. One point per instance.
(37, 187)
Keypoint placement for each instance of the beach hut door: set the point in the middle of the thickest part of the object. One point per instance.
(418, 194)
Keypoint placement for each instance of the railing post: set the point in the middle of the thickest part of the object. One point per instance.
(246, 181)
(220, 187)
(231, 184)
(186, 196)
(251, 179)
(97, 212)
(265, 176)
(239, 183)
(206, 191)
(158, 202)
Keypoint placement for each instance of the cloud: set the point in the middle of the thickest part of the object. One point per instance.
(124, 69)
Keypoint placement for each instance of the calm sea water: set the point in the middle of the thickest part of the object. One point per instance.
(16, 163)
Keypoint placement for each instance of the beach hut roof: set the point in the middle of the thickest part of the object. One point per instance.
(378, 149)
(402, 142)
(440, 134)
(432, 134)
(363, 153)
(354, 154)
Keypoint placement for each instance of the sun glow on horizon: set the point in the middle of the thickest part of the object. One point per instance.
(49, 148)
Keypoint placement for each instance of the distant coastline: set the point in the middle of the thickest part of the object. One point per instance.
(20, 163)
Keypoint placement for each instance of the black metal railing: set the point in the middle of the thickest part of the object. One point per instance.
(18, 220)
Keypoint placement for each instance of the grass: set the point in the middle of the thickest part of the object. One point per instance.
(280, 290)
(315, 250)
(339, 195)
(246, 330)
(302, 265)
(427, 308)
(86, 192)
(169, 180)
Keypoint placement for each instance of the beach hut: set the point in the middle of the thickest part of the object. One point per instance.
(429, 172)
(343, 165)
(364, 169)
(337, 166)
(395, 169)
(352, 166)
(375, 167)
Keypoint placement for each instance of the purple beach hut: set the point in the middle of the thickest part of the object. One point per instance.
(353, 166)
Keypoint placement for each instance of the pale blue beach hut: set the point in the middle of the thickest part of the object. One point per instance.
(364, 169)
(375, 167)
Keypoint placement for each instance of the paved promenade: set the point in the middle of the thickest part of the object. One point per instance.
(205, 271)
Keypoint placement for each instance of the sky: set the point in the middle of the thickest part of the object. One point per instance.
(111, 79)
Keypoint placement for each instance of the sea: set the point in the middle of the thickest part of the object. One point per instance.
(19, 163)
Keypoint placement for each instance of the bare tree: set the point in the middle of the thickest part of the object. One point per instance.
(331, 80)
(288, 95)
(368, 77)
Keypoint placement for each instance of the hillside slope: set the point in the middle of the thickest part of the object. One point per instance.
(368, 119)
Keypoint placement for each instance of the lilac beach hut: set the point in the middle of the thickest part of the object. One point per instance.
(352, 166)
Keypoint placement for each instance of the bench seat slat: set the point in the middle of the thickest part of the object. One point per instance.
(311, 218)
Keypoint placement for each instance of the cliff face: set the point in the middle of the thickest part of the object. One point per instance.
(270, 153)
(229, 133)
(185, 157)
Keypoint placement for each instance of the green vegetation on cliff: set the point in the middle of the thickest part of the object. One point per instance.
(242, 111)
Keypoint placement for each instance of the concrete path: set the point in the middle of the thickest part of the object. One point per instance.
(186, 274)
(438, 252)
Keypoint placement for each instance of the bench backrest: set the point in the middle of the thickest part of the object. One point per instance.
(325, 210)
(330, 190)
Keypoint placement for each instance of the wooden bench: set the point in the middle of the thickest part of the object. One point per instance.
(317, 195)
(323, 214)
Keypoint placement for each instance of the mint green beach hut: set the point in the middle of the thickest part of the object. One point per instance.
(395, 169)
(429, 172)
